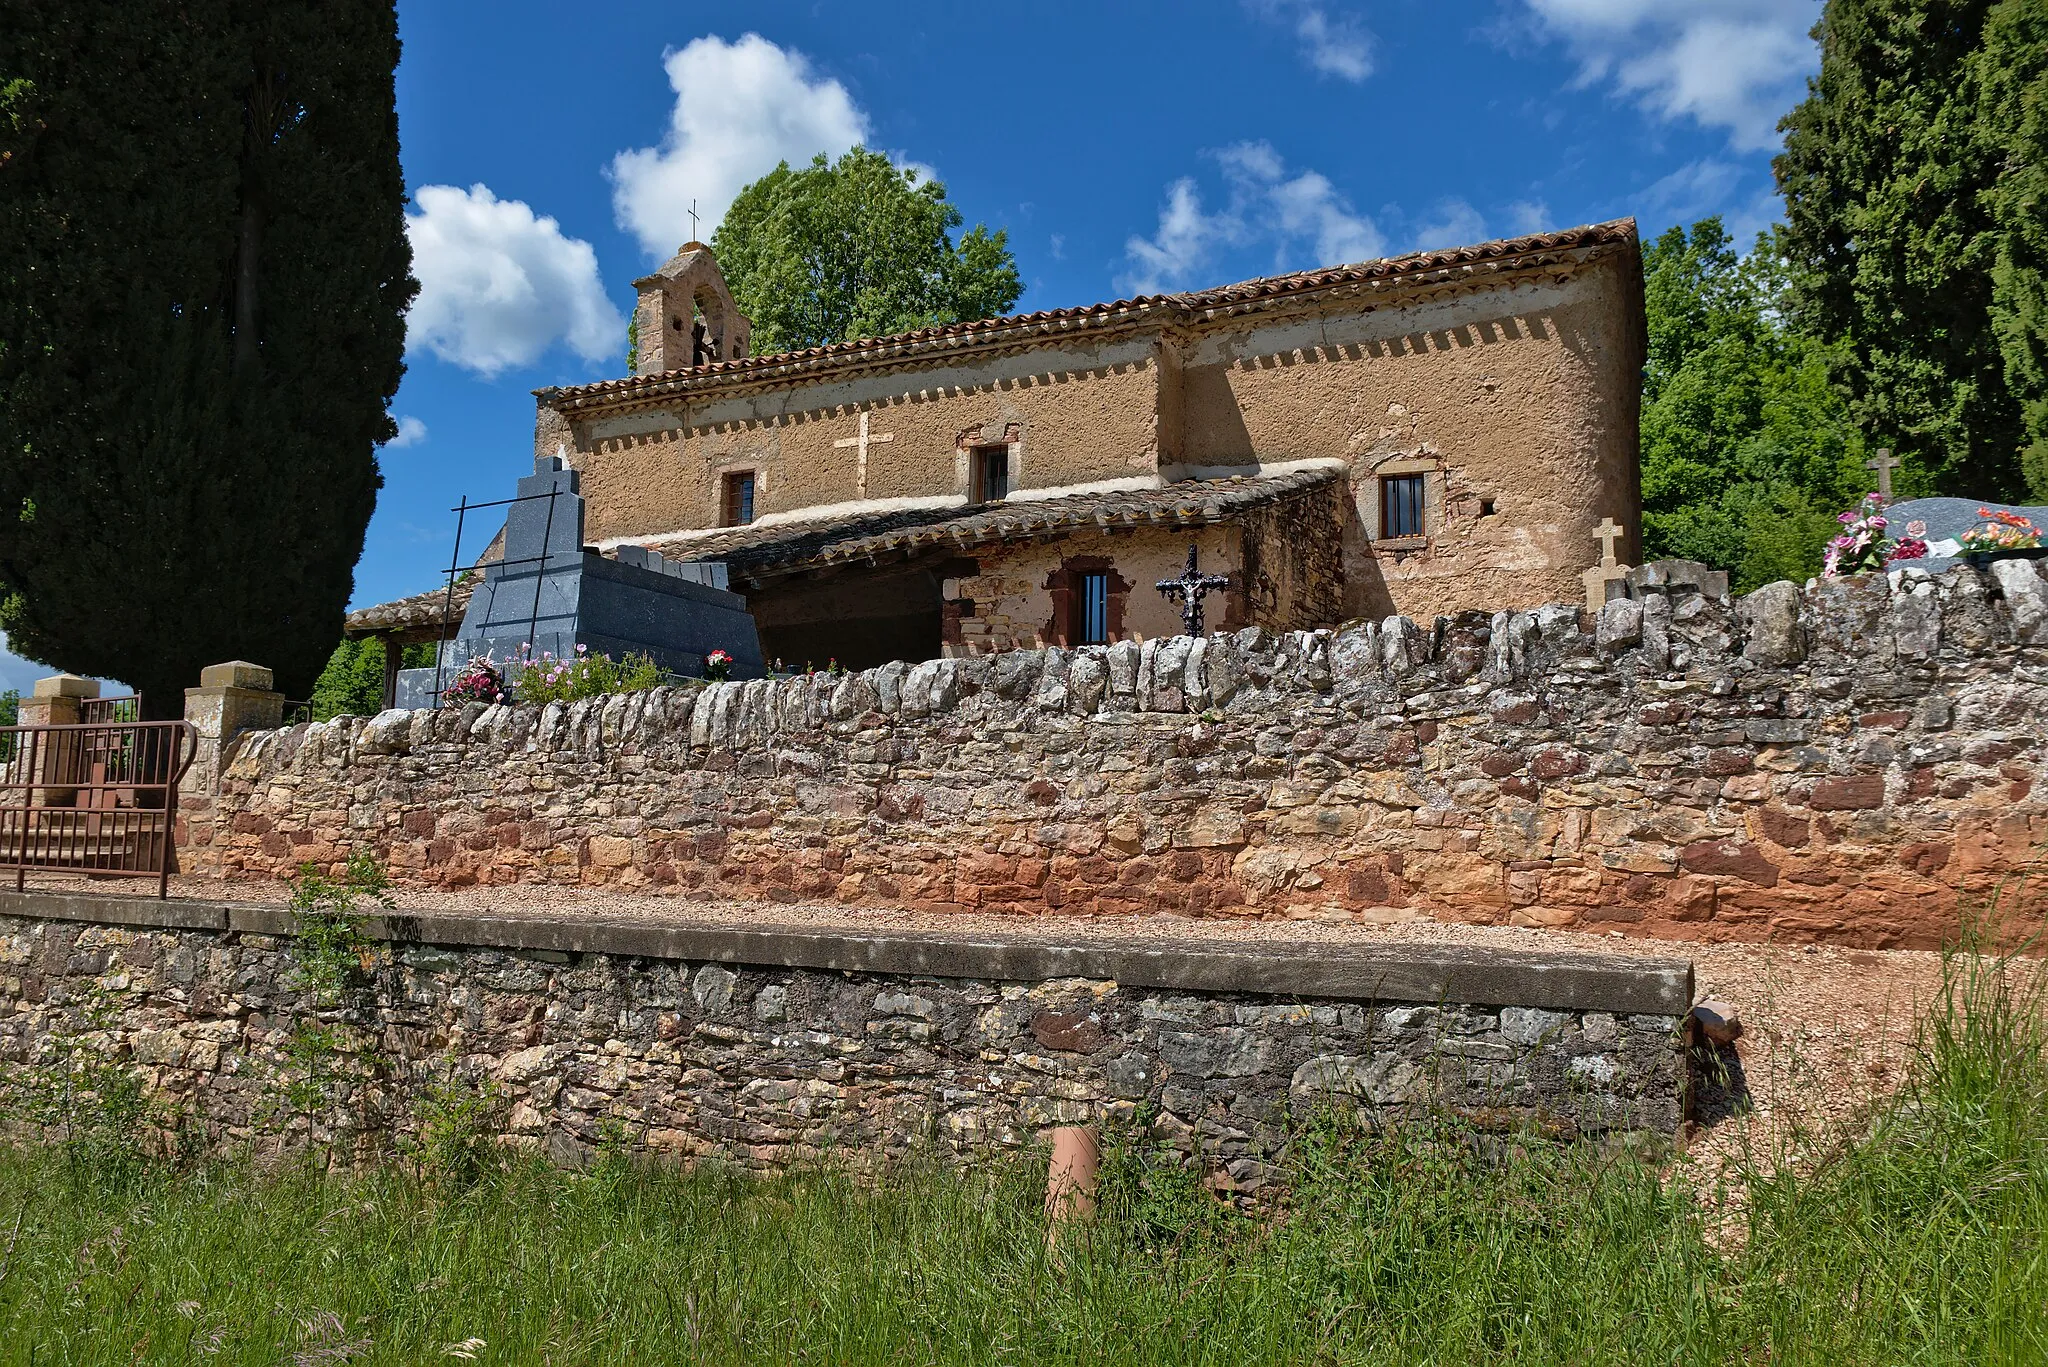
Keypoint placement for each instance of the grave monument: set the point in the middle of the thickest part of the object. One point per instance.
(550, 593)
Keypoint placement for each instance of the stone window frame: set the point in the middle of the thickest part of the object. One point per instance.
(983, 437)
(1063, 583)
(723, 493)
(1431, 469)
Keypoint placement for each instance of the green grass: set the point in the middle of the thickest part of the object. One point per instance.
(1919, 1242)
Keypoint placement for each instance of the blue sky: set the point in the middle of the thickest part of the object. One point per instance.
(552, 153)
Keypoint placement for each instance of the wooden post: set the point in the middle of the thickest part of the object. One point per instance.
(394, 655)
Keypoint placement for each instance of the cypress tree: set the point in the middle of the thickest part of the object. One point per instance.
(1910, 237)
(205, 275)
(2012, 102)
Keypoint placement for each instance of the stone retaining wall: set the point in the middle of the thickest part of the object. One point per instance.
(1854, 761)
(769, 1046)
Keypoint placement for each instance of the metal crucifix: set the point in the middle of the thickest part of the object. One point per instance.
(1189, 589)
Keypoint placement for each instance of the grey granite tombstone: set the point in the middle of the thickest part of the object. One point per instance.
(1945, 520)
(551, 593)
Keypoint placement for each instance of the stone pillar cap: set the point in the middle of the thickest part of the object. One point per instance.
(236, 674)
(67, 686)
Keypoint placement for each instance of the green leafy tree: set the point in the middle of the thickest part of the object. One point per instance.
(203, 277)
(1911, 175)
(856, 248)
(1748, 449)
(352, 684)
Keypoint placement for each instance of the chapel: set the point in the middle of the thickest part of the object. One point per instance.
(1421, 435)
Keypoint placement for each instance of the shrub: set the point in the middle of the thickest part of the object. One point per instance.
(330, 945)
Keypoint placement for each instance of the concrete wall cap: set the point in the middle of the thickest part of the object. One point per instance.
(1423, 973)
(237, 674)
(67, 686)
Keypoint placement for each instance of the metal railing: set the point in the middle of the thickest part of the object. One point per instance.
(98, 711)
(98, 798)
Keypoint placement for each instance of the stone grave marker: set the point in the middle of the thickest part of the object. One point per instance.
(1941, 522)
(551, 593)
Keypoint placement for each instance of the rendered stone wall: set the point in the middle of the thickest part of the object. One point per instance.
(1855, 761)
(766, 1065)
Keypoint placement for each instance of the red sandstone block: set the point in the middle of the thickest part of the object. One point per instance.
(1737, 858)
(1856, 792)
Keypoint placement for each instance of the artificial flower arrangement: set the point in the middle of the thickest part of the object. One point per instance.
(2004, 530)
(479, 681)
(1865, 545)
(717, 665)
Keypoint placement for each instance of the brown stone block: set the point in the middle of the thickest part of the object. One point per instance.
(1501, 763)
(250, 823)
(1722, 763)
(1737, 858)
(1925, 857)
(1555, 762)
(1855, 792)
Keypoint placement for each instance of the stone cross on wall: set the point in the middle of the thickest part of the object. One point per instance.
(863, 441)
(1601, 580)
(1884, 464)
(1189, 589)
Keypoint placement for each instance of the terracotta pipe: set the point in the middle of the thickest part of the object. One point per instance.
(1070, 1177)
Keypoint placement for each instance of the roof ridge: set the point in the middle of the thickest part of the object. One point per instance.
(1585, 235)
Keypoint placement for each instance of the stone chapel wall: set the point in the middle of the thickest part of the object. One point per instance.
(1855, 761)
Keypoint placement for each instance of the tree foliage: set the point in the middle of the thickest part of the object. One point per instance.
(352, 684)
(203, 274)
(1912, 177)
(856, 248)
(1748, 449)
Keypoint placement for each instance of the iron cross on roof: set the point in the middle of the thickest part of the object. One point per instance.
(1189, 589)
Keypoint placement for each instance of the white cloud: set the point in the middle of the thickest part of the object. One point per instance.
(1302, 220)
(740, 108)
(499, 285)
(411, 432)
(1711, 186)
(1733, 64)
(1454, 224)
(1333, 46)
(1694, 190)
(1529, 216)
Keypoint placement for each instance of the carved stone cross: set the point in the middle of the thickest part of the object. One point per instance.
(1884, 465)
(1608, 532)
(863, 441)
(1189, 589)
(1600, 581)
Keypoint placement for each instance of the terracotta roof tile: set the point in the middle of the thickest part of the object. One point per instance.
(1505, 254)
(757, 553)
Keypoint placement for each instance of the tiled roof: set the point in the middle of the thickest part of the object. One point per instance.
(1449, 266)
(758, 553)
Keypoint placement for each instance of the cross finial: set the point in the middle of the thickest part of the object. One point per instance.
(693, 220)
(1884, 464)
(1189, 588)
(1608, 532)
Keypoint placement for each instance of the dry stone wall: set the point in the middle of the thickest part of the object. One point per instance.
(700, 1049)
(1854, 760)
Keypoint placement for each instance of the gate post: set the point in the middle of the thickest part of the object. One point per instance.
(231, 698)
(58, 701)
